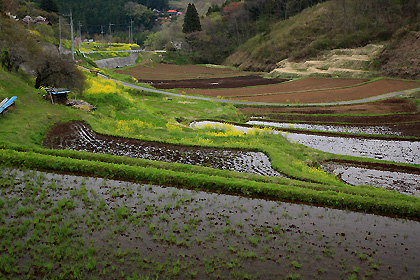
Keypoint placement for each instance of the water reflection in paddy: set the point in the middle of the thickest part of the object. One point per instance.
(390, 150)
(210, 234)
(405, 183)
(400, 151)
(384, 130)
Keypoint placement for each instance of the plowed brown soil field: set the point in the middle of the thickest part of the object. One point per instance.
(308, 84)
(335, 95)
(180, 72)
(247, 86)
(214, 83)
(389, 106)
(312, 90)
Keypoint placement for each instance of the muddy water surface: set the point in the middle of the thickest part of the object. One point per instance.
(180, 234)
(406, 183)
(399, 151)
(383, 130)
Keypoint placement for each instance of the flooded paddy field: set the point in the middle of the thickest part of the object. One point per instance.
(399, 151)
(383, 130)
(78, 136)
(394, 116)
(390, 150)
(58, 225)
(402, 182)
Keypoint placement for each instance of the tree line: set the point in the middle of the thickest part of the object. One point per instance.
(95, 16)
(343, 23)
(227, 26)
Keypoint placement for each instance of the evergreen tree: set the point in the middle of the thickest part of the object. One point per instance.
(191, 20)
(49, 6)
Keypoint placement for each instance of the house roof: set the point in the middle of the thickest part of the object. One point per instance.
(172, 11)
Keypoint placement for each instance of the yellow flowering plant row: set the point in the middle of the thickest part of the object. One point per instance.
(96, 86)
(91, 46)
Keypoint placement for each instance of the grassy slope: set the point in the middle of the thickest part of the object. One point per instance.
(286, 39)
(136, 114)
(32, 116)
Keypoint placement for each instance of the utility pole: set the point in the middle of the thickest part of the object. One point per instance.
(80, 36)
(72, 33)
(131, 29)
(59, 31)
(72, 36)
(110, 34)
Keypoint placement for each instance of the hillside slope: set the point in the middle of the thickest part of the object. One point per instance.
(349, 62)
(330, 25)
(402, 56)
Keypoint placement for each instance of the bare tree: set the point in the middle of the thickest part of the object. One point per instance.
(55, 70)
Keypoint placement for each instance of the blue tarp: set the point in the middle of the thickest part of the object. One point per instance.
(7, 104)
(57, 91)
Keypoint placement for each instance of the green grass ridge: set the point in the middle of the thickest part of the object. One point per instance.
(370, 199)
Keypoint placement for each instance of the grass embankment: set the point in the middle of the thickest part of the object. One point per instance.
(135, 114)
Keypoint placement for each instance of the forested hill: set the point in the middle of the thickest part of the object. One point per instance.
(93, 14)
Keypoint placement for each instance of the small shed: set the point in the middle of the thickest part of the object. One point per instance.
(57, 95)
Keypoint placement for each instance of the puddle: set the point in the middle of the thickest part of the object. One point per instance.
(206, 235)
(405, 183)
(383, 130)
(77, 136)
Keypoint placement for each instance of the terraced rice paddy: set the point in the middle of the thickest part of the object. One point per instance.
(79, 137)
(398, 151)
(402, 182)
(67, 226)
(309, 91)
(381, 130)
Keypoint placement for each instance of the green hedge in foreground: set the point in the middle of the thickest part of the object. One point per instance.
(399, 205)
